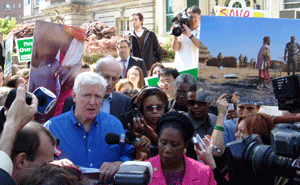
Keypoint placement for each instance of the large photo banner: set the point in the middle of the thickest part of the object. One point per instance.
(56, 60)
(241, 61)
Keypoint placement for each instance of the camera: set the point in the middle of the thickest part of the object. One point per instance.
(248, 157)
(181, 18)
(128, 118)
(286, 90)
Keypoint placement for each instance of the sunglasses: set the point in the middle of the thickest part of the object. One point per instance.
(193, 102)
(151, 108)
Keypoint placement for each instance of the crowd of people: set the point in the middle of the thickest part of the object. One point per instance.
(166, 116)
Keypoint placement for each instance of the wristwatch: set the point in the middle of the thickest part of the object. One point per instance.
(191, 36)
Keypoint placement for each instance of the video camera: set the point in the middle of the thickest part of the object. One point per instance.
(287, 90)
(181, 18)
(249, 159)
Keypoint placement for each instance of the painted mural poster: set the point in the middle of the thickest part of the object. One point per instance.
(233, 44)
(240, 12)
(8, 55)
(56, 60)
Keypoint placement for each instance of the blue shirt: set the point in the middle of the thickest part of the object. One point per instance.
(230, 130)
(105, 105)
(89, 150)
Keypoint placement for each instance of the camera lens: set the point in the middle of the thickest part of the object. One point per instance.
(177, 31)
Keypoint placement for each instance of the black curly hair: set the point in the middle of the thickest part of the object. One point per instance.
(177, 121)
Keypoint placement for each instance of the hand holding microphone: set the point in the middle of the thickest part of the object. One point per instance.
(130, 138)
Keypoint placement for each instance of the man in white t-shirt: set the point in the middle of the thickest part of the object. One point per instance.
(186, 46)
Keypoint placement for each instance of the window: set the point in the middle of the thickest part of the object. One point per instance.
(7, 7)
(9, 17)
(20, 5)
(20, 16)
(37, 2)
(237, 5)
(291, 4)
(14, 5)
(191, 3)
(123, 26)
(169, 14)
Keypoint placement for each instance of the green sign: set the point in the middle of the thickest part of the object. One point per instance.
(24, 47)
(152, 81)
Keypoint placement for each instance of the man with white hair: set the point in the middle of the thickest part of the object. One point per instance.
(82, 131)
(113, 103)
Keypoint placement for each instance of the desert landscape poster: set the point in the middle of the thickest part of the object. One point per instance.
(234, 37)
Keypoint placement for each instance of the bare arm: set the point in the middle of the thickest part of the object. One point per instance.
(218, 135)
(18, 116)
(187, 32)
(176, 44)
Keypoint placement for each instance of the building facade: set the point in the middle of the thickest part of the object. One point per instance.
(12, 8)
(290, 9)
(76, 12)
(158, 14)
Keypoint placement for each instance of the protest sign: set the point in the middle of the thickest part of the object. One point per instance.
(8, 56)
(24, 49)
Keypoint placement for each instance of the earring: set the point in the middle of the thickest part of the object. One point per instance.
(184, 151)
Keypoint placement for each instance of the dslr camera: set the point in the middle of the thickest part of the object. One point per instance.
(181, 18)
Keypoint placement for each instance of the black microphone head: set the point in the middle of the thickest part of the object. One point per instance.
(112, 138)
(42, 100)
(130, 136)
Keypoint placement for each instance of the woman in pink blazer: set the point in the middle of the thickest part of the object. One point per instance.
(171, 166)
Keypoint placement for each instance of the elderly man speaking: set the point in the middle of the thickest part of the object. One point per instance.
(82, 131)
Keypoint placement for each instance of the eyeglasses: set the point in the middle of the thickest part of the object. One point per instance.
(122, 47)
(163, 83)
(193, 102)
(151, 108)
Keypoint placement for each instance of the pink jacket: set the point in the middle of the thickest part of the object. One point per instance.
(196, 173)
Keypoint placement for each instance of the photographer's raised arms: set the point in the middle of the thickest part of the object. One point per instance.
(186, 46)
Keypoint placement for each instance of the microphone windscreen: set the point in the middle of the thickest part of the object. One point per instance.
(130, 136)
(112, 138)
(42, 100)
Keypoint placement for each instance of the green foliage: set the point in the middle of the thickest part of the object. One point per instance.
(92, 58)
(168, 54)
(6, 25)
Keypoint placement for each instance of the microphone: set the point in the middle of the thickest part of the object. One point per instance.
(46, 99)
(129, 138)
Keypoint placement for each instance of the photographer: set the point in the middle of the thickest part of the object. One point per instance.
(186, 46)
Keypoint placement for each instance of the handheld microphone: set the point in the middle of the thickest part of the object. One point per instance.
(46, 100)
(130, 138)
